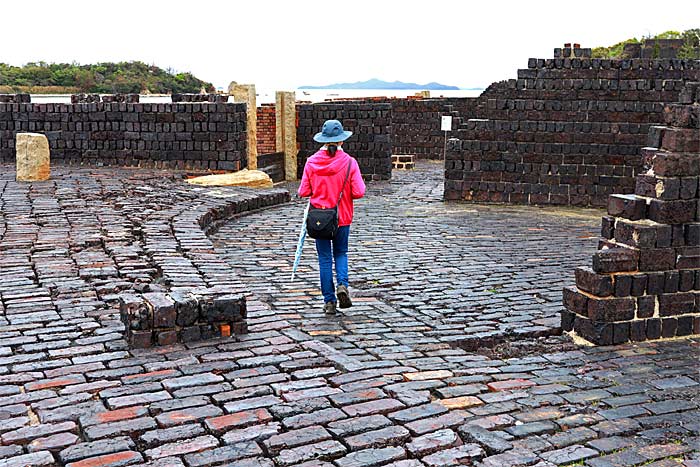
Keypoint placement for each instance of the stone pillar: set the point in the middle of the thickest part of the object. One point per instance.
(32, 156)
(286, 131)
(246, 93)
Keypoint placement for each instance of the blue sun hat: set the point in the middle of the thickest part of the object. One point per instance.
(332, 132)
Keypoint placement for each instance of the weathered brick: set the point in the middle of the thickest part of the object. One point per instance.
(237, 420)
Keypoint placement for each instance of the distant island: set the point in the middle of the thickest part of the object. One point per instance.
(379, 84)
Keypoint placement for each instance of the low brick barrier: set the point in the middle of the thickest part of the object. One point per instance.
(192, 136)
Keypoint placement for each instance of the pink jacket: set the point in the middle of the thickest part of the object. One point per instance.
(323, 179)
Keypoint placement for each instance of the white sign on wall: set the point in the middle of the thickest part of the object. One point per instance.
(446, 123)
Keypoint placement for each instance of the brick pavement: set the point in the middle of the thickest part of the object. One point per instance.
(390, 382)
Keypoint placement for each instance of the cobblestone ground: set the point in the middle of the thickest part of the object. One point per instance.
(399, 379)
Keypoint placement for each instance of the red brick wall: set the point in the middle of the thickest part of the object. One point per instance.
(266, 129)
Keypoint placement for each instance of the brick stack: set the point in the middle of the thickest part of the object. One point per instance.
(91, 98)
(267, 129)
(193, 136)
(370, 143)
(568, 131)
(158, 318)
(211, 98)
(645, 279)
(15, 98)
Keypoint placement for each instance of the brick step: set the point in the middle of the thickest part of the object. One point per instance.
(635, 207)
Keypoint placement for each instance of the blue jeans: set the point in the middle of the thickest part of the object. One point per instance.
(328, 251)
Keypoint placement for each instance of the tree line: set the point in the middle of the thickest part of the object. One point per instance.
(101, 78)
(689, 50)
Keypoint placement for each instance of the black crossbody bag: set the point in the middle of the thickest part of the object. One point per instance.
(322, 223)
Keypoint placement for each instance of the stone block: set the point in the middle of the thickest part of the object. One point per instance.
(611, 309)
(635, 234)
(615, 260)
(134, 313)
(676, 304)
(32, 157)
(186, 308)
(668, 327)
(627, 206)
(672, 212)
(653, 328)
(600, 285)
(646, 306)
(163, 309)
(657, 259)
(638, 331)
(669, 164)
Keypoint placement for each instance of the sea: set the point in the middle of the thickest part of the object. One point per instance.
(267, 96)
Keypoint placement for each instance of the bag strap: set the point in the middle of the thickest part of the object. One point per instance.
(347, 174)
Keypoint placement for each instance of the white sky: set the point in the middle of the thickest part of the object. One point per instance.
(285, 44)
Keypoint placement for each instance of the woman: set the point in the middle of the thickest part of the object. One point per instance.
(325, 176)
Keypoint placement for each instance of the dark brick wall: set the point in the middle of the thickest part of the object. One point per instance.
(415, 124)
(183, 136)
(370, 143)
(567, 131)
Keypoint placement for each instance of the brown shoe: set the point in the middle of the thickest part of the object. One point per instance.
(343, 297)
(329, 308)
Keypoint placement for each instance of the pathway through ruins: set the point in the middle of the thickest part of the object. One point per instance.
(450, 355)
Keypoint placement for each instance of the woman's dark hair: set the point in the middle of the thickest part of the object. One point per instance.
(332, 148)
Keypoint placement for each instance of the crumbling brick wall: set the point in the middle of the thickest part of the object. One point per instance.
(197, 136)
(567, 131)
(644, 282)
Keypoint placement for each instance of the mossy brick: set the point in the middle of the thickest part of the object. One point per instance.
(587, 280)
